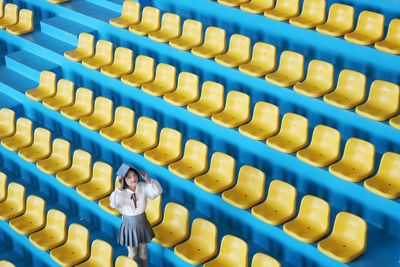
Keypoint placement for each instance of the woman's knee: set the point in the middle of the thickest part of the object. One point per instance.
(143, 251)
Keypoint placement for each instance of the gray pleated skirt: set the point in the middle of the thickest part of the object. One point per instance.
(135, 230)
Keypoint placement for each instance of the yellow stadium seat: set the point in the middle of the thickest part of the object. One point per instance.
(84, 49)
(319, 80)
(350, 90)
(394, 122)
(391, 44)
(170, 28)
(7, 122)
(10, 16)
(40, 148)
(236, 111)
(280, 205)
(347, 240)
(122, 127)
(312, 14)
(324, 148)
(33, 218)
(340, 20)
(22, 137)
(164, 81)
(82, 107)
(59, 159)
(175, 226)
(383, 101)
(100, 255)
(213, 45)
(122, 64)
(14, 203)
(257, 6)
(4, 263)
(233, 252)
(262, 60)
(201, 245)
(46, 88)
(145, 137)
(238, 52)
(264, 260)
(24, 25)
(149, 22)
(3, 186)
(1, 8)
(357, 162)
(192, 35)
(369, 29)
(75, 249)
(232, 3)
(123, 261)
(312, 221)
(290, 71)
(211, 100)
(187, 90)
(153, 210)
(64, 96)
(80, 170)
(100, 185)
(57, 1)
(283, 10)
(385, 182)
(168, 150)
(102, 115)
(130, 15)
(102, 57)
(143, 72)
(104, 203)
(265, 122)
(53, 234)
(249, 189)
(292, 136)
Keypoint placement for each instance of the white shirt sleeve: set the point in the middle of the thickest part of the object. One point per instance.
(153, 189)
(117, 199)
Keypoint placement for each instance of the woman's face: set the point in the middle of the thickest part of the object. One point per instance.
(131, 178)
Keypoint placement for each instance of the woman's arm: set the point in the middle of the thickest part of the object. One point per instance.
(152, 187)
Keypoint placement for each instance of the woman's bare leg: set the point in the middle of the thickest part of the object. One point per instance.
(132, 252)
(143, 254)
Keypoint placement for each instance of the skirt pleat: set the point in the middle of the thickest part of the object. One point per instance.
(135, 230)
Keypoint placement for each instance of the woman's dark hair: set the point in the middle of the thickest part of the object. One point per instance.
(133, 170)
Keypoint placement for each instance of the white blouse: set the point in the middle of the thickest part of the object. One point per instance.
(121, 199)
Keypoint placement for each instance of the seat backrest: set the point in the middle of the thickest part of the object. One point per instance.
(267, 113)
(215, 36)
(361, 151)
(193, 29)
(238, 102)
(167, 74)
(371, 23)
(314, 209)
(4, 263)
(11, 12)
(240, 44)
(151, 15)
(340, 14)
(103, 106)
(393, 34)
(24, 128)
(235, 249)
(85, 41)
(352, 83)
(104, 49)
(263, 260)
(188, 82)
(265, 54)
(153, 209)
(131, 10)
(123, 261)
(352, 228)
(223, 165)
(177, 215)
(84, 96)
(290, 5)
(61, 148)
(321, 72)
(35, 206)
(170, 22)
(282, 192)
(16, 192)
(48, 80)
(314, 8)
(205, 232)
(390, 164)
(79, 235)
(326, 138)
(82, 159)
(65, 88)
(7, 117)
(1, 8)
(252, 179)
(213, 92)
(3, 186)
(294, 124)
(196, 151)
(102, 252)
(102, 173)
(145, 65)
(170, 138)
(125, 117)
(147, 127)
(26, 18)
(385, 94)
(123, 56)
(56, 220)
(292, 63)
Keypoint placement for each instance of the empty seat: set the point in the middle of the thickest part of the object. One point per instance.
(130, 15)
(80, 170)
(232, 2)
(395, 122)
(143, 72)
(232, 252)
(312, 221)
(369, 29)
(357, 162)
(40, 148)
(164, 81)
(262, 60)
(84, 49)
(10, 16)
(391, 44)
(249, 189)
(104, 203)
(102, 57)
(168, 150)
(312, 14)
(149, 22)
(3, 186)
(290, 71)
(7, 122)
(64, 96)
(57, 1)
(59, 159)
(153, 210)
(283, 10)
(100, 255)
(33, 218)
(192, 35)
(100, 185)
(22, 137)
(263, 260)
(122, 64)
(170, 28)
(82, 107)
(257, 6)
(347, 240)
(213, 45)
(102, 115)
(4, 263)
(123, 125)
(46, 87)
(24, 25)
(187, 90)
(280, 205)
(211, 100)
(145, 137)
(14, 203)
(340, 20)
(238, 52)
(123, 261)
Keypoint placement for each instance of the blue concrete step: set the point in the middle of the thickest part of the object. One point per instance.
(114, 5)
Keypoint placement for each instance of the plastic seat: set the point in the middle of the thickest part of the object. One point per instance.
(249, 189)
(168, 150)
(64, 96)
(10, 16)
(340, 20)
(290, 71)
(3, 186)
(213, 45)
(262, 60)
(57, 1)
(46, 87)
(192, 35)
(175, 226)
(80, 170)
(164, 82)
(391, 44)
(283, 10)
(149, 22)
(153, 210)
(130, 15)
(280, 205)
(383, 101)
(319, 80)
(84, 49)
(201, 245)
(102, 57)
(75, 249)
(170, 28)
(123, 261)
(59, 159)
(102, 115)
(14, 203)
(104, 203)
(143, 72)
(265, 122)
(357, 162)
(369, 29)
(53, 234)
(122, 127)
(238, 52)
(194, 160)
(257, 6)
(4, 263)
(7, 122)
(233, 252)
(33, 218)
(232, 3)
(395, 122)
(40, 148)
(22, 137)
(122, 64)
(145, 137)
(312, 14)
(82, 107)
(187, 90)
(262, 260)
(312, 221)
(385, 182)
(100, 185)
(292, 136)
(324, 148)
(24, 25)
(211, 100)
(350, 90)
(100, 255)
(347, 240)
(236, 111)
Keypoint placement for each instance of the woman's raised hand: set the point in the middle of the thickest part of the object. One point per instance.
(120, 182)
(145, 176)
